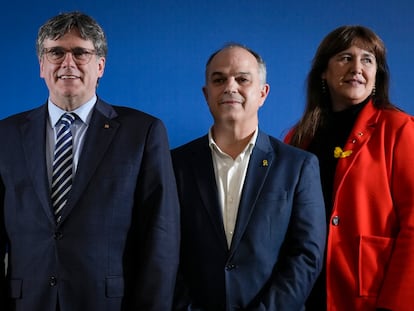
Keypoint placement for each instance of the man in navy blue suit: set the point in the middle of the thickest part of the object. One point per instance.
(252, 211)
(112, 243)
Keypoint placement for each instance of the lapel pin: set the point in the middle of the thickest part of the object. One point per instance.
(339, 153)
(265, 163)
(106, 126)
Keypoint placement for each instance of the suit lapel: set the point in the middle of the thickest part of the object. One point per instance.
(206, 183)
(100, 133)
(261, 160)
(360, 135)
(34, 146)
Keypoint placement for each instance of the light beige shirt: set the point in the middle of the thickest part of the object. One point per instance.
(230, 175)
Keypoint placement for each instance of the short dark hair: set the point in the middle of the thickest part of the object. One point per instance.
(260, 61)
(59, 25)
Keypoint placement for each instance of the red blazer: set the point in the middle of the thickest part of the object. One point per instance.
(370, 247)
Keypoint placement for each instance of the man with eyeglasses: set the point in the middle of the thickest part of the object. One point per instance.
(89, 212)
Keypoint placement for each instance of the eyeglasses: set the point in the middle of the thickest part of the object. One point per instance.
(56, 55)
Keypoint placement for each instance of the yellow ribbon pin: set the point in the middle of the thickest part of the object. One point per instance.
(339, 153)
(265, 163)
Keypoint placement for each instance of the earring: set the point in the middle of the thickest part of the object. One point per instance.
(323, 84)
(373, 91)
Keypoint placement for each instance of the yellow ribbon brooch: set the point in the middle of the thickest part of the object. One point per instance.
(339, 153)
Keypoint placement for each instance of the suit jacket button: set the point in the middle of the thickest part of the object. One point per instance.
(58, 235)
(335, 220)
(52, 281)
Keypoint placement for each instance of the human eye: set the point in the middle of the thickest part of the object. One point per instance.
(345, 58)
(242, 80)
(80, 53)
(56, 53)
(368, 60)
(218, 80)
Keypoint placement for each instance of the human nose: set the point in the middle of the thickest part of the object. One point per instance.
(356, 67)
(230, 87)
(68, 59)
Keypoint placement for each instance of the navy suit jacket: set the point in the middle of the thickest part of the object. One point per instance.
(117, 245)
(277, 249)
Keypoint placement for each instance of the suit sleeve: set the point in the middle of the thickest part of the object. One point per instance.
(301, 257)
(158, 224)
(3, 250)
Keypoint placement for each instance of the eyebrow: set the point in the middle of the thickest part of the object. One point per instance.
(363, 54)
(68, 49)
(219, 73)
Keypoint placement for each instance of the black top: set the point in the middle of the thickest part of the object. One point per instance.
(333, 134)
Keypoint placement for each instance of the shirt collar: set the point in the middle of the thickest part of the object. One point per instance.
(248, 148)
(84, 112)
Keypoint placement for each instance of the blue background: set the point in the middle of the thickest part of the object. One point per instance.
(158, 50)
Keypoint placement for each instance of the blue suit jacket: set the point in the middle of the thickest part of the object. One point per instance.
(117, 245)
(277, 249)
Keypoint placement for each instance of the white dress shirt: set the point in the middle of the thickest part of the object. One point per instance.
(230, 175)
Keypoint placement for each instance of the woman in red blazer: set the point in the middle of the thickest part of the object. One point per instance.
(365, 148)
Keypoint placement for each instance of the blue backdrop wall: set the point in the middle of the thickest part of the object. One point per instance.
(158, 49)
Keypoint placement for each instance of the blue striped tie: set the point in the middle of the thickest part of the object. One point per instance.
(62, 164)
